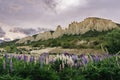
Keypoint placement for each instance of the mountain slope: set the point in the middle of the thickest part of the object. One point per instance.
(75, 28)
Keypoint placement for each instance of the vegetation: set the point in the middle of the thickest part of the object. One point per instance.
(113, 41)
(11, 49)
(70, 41)
(4, 44)
(91, 40)
(91, 68)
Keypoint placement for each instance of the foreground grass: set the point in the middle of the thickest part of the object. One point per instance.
(106, 69)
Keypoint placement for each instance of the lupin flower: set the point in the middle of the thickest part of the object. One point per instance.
(31, 59)
(6, 58)
(11, 66)
(19, 57)
(34, 59)
(41, 60)
(81, 55)
(25, 58)
(75, 58)
(4, 65)
(84, 60)
(93, 57)
(97, 58)
(66, 54)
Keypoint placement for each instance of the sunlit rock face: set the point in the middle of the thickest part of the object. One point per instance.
(91, 23)
(43, 36)
(99, 24)
(26, 39)
(59, 32)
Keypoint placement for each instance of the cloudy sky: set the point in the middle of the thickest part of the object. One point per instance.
(50, 13)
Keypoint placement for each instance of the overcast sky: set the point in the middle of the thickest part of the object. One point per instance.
(50, 13)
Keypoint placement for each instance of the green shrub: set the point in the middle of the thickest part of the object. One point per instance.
(113, 41)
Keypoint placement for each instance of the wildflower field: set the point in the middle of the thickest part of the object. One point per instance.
(59, 67)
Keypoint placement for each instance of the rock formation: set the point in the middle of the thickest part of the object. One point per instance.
(58, 32)
(91, 23)
(26, 39)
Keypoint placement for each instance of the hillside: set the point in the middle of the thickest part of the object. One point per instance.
(75, 28)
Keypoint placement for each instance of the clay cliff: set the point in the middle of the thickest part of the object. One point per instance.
(91, 23)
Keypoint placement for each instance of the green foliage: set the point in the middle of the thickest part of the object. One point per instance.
(11, 49)
(71, 74)
(4, 44)
(107, 69)
(113, 41)
(69, 41)
(8, 77)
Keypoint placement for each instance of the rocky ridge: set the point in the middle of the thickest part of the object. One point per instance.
(91, 23)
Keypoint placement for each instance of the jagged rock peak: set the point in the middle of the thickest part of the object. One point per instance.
(58, 28)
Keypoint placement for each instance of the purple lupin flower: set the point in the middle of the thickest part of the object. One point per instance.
(6, 58)
(4, 65)
(81, 55)
(41, 60)
(18, 57)
(97, 59)
(74, 58)
(84, 60)
(25, 58)
(93, 57)
(66, 54)
(11, 65)
(44, 54)
(32, 59)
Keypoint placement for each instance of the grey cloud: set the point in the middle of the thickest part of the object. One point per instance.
(27, 31)
(44, 13)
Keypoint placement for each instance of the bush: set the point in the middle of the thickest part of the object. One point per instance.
(113, 41)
